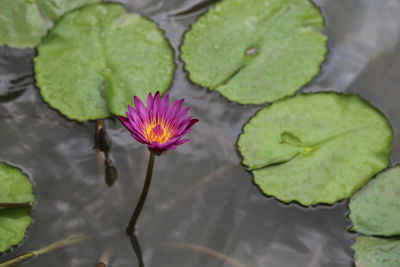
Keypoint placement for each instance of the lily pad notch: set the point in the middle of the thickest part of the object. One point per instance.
(315, 148)
(16, 198)
(256, 51)
(96, 58)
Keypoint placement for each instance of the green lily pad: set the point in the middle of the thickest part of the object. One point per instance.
(21, 24)
(315, 148)
(256, 51)
(56, 8)
(24, 22)
(375, 209)
(376, 252)
(15, 187)
(97, 58)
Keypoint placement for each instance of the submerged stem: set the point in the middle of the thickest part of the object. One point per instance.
(15, 204)
(59, 244)
(142, 199)
(105, 258)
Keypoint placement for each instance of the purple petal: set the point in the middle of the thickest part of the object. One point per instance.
(183, 124)
(180, 142)
(173, 110)
(140, 108)
(159, 112)
(192, 122)
(165, 101)
(133, 115)
(149, 101)
(157, 147)
(139, 138)
(125, 122)
(182, 113)
(156, 107)
(157, 98)
(188, 127)
(171, 147)
(175, 144)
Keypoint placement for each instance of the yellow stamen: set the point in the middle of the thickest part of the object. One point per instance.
(158, 132)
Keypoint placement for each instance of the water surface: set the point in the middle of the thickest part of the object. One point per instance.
(201, 195)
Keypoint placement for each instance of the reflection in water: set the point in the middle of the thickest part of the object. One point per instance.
(195, 8)
(14, 81)
(195, 188)
(207, 251)
(103, 146)
(137, 249)
(11, 95)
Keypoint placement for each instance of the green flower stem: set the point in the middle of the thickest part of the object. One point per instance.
(15, 204)
(132, 223)
(59, 244)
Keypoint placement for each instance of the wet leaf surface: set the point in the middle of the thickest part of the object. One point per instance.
(377, 252)
(97, 58)
(14, 187)
(333, 144)
(21, 24)
(24, 22)
(375, 209)
(256, 51)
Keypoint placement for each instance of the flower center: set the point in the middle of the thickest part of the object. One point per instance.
(157, 133)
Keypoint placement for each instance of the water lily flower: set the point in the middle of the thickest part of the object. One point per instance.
(160, 126)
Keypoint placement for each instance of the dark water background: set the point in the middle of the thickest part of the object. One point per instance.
(200, 193)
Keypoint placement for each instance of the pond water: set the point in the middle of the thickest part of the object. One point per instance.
(201, 195)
